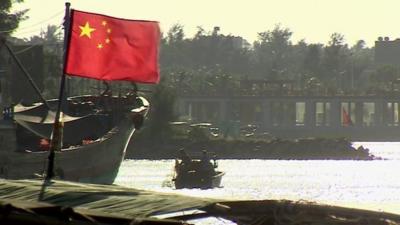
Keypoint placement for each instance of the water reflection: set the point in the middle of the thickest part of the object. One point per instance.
(363, 184)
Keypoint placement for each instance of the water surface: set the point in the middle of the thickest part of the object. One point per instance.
(362, 184)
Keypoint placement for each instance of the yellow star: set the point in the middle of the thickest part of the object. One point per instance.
(109, 30)
(99, 46)
(107, 40)
(86, 30)
(104, 23)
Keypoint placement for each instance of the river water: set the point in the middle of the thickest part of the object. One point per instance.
(362, 184)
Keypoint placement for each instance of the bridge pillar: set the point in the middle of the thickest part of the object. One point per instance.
(379, 111)
(359, 114)
(266, 114)
(335, 114)
(310, 113)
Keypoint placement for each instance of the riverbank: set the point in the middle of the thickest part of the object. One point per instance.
(299, 149)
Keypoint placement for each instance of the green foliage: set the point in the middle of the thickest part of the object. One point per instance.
(384, 76)
(336, 40)
(360, 61)
(52, 41)
(9, 20)
(210, 50)
(161, 112)
(273, 53)
(211, 63)
(176, 34)
(312, 60)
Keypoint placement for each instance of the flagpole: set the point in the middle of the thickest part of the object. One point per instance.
(57, 136)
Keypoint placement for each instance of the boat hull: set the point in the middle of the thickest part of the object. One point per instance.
(198, 180)
(94, 161)
(97, 162)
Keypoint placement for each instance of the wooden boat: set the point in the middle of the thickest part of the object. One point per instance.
(197, 174)
(97, 131)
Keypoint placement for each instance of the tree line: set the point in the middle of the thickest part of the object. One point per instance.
(213, 63)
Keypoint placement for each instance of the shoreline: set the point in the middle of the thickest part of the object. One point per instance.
(277, 149)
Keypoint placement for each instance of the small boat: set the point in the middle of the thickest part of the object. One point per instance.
(195, 173)
(97, 131)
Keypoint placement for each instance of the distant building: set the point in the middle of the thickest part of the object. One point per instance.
(237, 42)
(387, 52)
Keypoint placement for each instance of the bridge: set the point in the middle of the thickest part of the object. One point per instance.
(359, 118)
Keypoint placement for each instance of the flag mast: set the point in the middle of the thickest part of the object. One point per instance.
(57, 135)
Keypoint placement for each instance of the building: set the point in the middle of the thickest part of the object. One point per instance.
(387, 52)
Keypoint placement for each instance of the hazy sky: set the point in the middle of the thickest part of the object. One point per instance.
(312, 20)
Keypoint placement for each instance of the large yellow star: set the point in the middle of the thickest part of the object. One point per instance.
(86, 30)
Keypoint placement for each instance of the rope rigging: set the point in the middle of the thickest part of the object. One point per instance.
(36, 24)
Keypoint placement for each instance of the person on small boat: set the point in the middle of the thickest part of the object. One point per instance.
(185, 163)
(44, 144)
(183, 156)
(206, 164)
(205, 158)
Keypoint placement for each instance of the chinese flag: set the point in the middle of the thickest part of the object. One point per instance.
(108, 48)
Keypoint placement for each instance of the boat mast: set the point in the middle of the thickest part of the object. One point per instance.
(57, 136)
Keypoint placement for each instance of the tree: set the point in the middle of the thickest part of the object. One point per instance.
(52, 41)
(361, 60)
(173, 47)
(9, 21)
(162, 112)
(176, 34)
(272, 52)
(312, 60)
(208, 54)
(384, 75)
(334, 62)
(218, 51)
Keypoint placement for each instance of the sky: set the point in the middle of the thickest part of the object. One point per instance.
(311, 20)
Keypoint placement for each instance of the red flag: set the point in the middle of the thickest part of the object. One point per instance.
(346, 118)
(108, 48)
